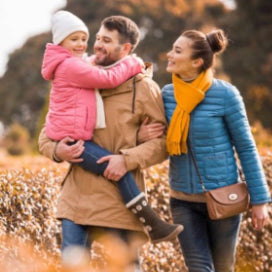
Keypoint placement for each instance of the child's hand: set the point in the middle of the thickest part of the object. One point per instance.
(140, 61)
(90, 59)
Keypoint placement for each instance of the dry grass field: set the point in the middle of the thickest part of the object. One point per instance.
(30, 234)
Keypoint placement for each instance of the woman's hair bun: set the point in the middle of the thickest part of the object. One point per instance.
(217, 40)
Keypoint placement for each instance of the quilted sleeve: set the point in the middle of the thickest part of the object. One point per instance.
(243, 141)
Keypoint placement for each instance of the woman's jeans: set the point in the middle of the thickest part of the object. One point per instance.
(207, 245)
(91, 154)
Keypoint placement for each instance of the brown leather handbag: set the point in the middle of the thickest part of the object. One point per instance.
(226, 201)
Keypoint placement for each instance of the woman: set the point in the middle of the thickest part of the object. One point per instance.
(210, 114)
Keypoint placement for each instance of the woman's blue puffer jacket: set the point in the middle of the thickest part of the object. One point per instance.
(218, 126)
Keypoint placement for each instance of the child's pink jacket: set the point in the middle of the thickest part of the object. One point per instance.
(72, 104)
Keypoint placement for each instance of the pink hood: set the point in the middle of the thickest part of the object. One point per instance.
(53, 56)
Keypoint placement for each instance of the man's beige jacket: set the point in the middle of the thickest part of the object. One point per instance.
(90, 199)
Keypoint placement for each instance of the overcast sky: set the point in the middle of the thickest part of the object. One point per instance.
(21, 19)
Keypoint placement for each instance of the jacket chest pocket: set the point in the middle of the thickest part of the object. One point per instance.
(121, 109)
(216, 167)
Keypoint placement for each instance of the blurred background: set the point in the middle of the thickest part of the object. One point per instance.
(25, 29)
(30, 184)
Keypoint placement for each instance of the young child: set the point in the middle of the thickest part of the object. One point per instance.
(73, 108)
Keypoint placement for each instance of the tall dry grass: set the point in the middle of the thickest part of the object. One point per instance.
(30, 234)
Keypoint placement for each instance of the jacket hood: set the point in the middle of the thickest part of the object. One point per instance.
(53, 56)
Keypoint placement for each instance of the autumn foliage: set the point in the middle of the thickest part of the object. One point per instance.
(30, 234)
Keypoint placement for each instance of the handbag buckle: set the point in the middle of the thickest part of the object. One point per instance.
(233, 197)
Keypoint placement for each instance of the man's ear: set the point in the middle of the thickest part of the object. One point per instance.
(197, 63)
(127, 47)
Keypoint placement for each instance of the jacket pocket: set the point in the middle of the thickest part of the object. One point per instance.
(216, 167)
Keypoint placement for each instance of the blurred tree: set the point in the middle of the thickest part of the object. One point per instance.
(22, 89)
(248, 59)
(17, 140)
(23, 92)
(41, 121)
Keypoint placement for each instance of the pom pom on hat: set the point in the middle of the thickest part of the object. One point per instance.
(65, 23)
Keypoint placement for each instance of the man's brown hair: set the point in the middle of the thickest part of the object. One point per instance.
(127, 29)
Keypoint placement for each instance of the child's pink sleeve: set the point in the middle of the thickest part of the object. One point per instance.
(84, 75)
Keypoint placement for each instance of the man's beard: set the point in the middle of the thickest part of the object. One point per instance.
(107, 59)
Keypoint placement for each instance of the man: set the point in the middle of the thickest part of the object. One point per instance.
(91, 203)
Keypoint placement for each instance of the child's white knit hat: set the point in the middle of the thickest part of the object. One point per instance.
(65, 23)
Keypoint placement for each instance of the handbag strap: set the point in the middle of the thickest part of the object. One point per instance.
(197, 169)
(195, 164)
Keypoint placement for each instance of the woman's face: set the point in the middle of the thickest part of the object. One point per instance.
(179, 58)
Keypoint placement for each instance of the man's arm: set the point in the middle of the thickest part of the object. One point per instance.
(148, 153)
(62, 150)
(117, 166)
(152, 151)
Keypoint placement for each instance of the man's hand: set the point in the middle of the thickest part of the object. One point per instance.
(70, 153)
(116, 168)
(259, 216)
(148, 132)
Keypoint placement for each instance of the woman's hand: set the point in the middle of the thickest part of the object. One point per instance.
(259, 216)
(148, 132)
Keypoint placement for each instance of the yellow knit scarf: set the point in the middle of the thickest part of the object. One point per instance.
(188, 96)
